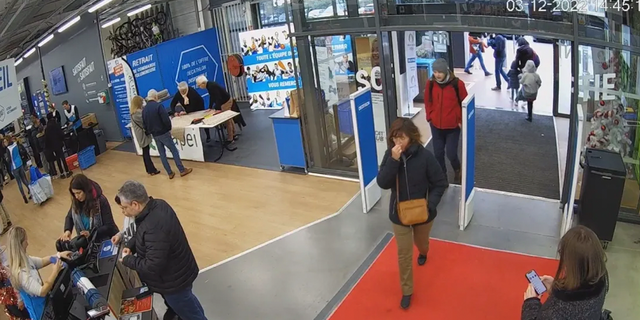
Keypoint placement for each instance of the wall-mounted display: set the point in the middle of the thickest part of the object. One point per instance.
(269, 66)
(58, 81)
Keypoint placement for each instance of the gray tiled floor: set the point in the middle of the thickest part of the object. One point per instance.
(296, 276)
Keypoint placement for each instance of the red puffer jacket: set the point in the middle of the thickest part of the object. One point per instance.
(442, 106)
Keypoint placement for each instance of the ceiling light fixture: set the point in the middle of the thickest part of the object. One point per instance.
(18, 62)
(47, 39)
(30, 52)
(136, 11)
(99, 5)
(110, 23)
(69, 24)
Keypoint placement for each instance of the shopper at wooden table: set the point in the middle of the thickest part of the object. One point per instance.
(156, 122)
(222, 100)
(143, 139)
(190, 100)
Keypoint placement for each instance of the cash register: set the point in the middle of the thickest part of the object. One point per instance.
(74, 295)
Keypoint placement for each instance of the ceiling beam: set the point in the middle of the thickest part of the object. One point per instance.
(45, 21)
(9, 8)
(13, 17)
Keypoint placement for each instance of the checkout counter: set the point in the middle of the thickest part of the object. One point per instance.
(117, 284)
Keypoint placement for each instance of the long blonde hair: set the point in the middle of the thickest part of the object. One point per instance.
(18, 258)
(136, 104)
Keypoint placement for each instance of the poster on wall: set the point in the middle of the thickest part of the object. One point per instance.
(269, 65)
(412, 67)
(123, 89)
(10, 107)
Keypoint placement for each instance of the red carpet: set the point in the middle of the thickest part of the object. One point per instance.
(457, 282)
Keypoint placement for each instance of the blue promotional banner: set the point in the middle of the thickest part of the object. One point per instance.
(146, 69)
(365, 138)
(187, 58)
(123, 88)
(468, 161)
(270, 66)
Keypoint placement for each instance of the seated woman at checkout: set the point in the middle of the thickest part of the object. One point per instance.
(89, 210)
(187, 100)
(25, 277)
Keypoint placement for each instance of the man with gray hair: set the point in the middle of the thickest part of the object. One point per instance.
(189, 100)
(222, 100)
(159, 250)
(157, 123)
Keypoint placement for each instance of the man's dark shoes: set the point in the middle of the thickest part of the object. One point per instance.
(405, 302)
(468, 72)
(528, 119)
(496, 88)
(422, 259)
(154, 173)
(457, 177)
(172, 175)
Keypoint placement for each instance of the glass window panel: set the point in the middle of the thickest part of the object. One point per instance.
(610, 96)
(273, 12)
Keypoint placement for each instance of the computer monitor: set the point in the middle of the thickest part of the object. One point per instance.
(59, 300)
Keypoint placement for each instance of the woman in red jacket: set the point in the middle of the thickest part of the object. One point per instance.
(443, 96)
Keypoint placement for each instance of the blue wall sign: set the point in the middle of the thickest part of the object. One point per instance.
(146, 68)
(365, 137)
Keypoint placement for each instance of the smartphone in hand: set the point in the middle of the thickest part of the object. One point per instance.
(537, 283)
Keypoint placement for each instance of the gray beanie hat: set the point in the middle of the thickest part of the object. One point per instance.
(441, 65)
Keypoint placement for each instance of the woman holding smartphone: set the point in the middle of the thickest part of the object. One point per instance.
(25, 276)
(580, 285)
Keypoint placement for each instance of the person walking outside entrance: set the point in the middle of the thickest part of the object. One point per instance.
(443, 102)
(498, 43)
(159, 250)
(156, 122)
(476, 48)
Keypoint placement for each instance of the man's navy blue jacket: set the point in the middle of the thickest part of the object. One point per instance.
(155, 119)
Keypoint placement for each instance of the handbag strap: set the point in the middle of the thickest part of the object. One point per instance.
(406, 180)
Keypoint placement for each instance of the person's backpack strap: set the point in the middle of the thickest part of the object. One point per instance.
(430, 90)
(455, 83)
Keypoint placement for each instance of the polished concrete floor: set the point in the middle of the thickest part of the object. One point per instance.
(302, 275)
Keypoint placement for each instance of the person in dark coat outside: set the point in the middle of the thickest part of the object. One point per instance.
(159, 250)
(580, 285)
(411, 172)
(525, 53)
(190, 100)
(514, 80)
(499, 45)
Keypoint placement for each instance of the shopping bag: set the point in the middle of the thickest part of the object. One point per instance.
(34, 174)
(46, 185)
(37, 194)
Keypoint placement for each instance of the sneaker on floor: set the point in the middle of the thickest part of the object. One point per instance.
(186, 172)
(422, 259)
(172, 175)
(468, 72)
(154, 173)
(496, 88)
(486, 74)
(25, 200)
(405, 302)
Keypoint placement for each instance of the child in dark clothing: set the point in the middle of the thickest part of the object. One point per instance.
(514, 81)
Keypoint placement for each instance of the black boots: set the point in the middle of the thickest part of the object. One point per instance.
(405, 302)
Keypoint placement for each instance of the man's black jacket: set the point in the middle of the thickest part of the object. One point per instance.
(163, 257)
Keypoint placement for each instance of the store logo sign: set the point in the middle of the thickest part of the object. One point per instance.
(602, 83)
(369, 81)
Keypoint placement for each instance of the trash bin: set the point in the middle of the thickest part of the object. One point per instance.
(602, 186)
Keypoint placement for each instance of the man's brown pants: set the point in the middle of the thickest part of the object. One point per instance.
(406, 237)
(230, 124)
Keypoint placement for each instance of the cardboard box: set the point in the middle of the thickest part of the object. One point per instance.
(89, 120)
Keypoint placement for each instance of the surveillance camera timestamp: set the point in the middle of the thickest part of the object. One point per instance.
(577, 6)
